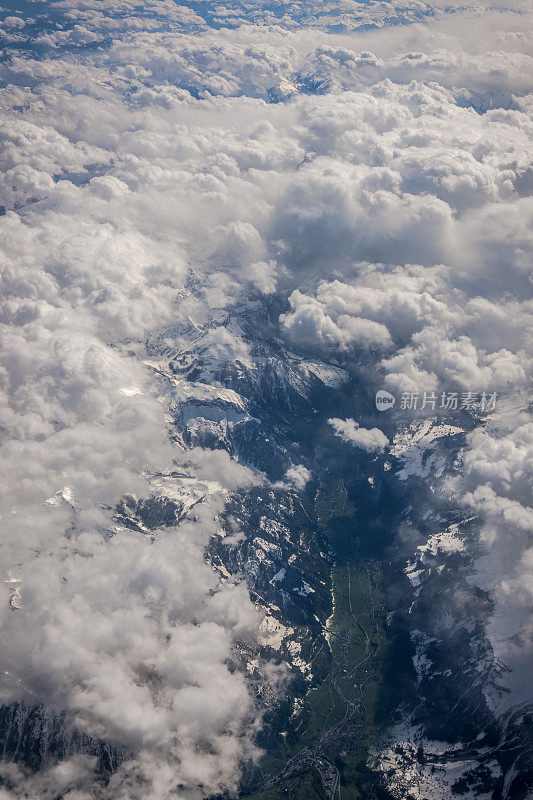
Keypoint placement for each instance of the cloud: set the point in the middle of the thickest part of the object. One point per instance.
(496, 482)
(297, 477)
(369, 439)
(309, 324)
(73, 777)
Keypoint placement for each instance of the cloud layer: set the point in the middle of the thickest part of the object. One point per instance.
(381, 178)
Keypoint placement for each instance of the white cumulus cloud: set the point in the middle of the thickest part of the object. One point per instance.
(367, 438)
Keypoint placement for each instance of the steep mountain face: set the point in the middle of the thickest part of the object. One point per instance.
(361, 563)
(410, 677)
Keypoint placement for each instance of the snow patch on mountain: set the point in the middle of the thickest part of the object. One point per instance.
(415, 447)
(421, 768)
